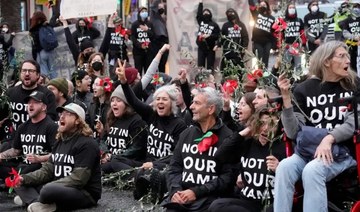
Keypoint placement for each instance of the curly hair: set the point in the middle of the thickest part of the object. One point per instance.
(82, 128)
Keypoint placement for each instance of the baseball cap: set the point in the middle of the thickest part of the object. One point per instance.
(37, 96)
(73, 108)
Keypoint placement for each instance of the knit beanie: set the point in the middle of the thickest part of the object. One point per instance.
(61, 84)
(86, 43)
(119, 92)
(131, 74)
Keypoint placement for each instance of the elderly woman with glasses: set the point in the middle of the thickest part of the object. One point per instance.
(319, 110)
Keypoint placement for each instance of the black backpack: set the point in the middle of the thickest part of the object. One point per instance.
(47, 37)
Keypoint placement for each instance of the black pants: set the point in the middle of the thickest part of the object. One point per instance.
(64, 197)
(119, 163)
(142, 60)
(206, 57)
(262, 50)
(236, 204)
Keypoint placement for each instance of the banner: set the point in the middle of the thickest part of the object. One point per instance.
(182, 28)
(87, 8)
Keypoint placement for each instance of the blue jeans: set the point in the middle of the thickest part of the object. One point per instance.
(297, 60)
(314, 176)
(46, 61)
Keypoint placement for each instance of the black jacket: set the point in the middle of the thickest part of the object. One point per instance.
(208, 27)
(85, 33)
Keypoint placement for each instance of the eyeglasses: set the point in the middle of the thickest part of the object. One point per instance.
(30, 71)
(343, 56)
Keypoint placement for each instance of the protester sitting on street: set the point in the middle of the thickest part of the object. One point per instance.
(33, 140)
(164, 126)
(96, 115)
(60, 88)
(29, 76)
(262, 143)
(195, 177)
(316, 131)
(96, 67)
(71, 178)
(82, 82)
(85, 30)
(124, 134)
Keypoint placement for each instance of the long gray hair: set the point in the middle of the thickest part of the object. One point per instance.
(321, 56)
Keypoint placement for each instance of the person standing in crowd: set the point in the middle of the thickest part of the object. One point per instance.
(124, 134)
(71, 178)
(82, 52)
(59, 86)
(99, 107)
(351, 32)
(184, 112)
(208, 34)
(96, 67)
(45, 57)
(158, 19)
(263, 39)
(315, 26)
(192, 187)
(29, 76)
(33, 140)
(235, 40)
(6, 51)
(293, 36)
(260, 141)
(341, 14)
(82, 83)
(314, 161)
(142, 35)
(119, 44)
(85, 30)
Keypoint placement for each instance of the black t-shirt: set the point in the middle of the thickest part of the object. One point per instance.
(262, 31)
(36, 138)
(78, 152)
(315, 23)
(293, 30)
(352, 25)
(127, 137)
(18, 106)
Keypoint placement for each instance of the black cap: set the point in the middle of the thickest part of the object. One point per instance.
(37, 96)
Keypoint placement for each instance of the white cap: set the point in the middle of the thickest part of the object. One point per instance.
(73, 108)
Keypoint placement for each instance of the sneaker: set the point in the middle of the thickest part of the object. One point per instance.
(18, 201)
(40, 207)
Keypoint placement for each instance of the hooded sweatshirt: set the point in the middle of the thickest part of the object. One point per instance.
(86, 32)
(206, 27)
(262, 31)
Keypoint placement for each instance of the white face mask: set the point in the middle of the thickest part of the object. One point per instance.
(4, 30)
(314, 8)
(292, 11)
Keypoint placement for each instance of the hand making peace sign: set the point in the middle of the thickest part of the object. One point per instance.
(120, 72)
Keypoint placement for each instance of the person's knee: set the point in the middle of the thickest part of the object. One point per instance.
(313, 171)
(49, 192)
(217, 205)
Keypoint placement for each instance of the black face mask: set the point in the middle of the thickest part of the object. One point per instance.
(231, 17)
(207, 17)
(87, 56)
(161, 11)
(262, 10)
(97, 66)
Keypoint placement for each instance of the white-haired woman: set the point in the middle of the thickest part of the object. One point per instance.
(164, 126)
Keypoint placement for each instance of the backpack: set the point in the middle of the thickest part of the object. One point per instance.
(47, 37)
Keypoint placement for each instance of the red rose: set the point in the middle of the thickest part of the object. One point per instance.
(236, 27)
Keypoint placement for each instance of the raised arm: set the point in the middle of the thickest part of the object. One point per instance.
(74, 49)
